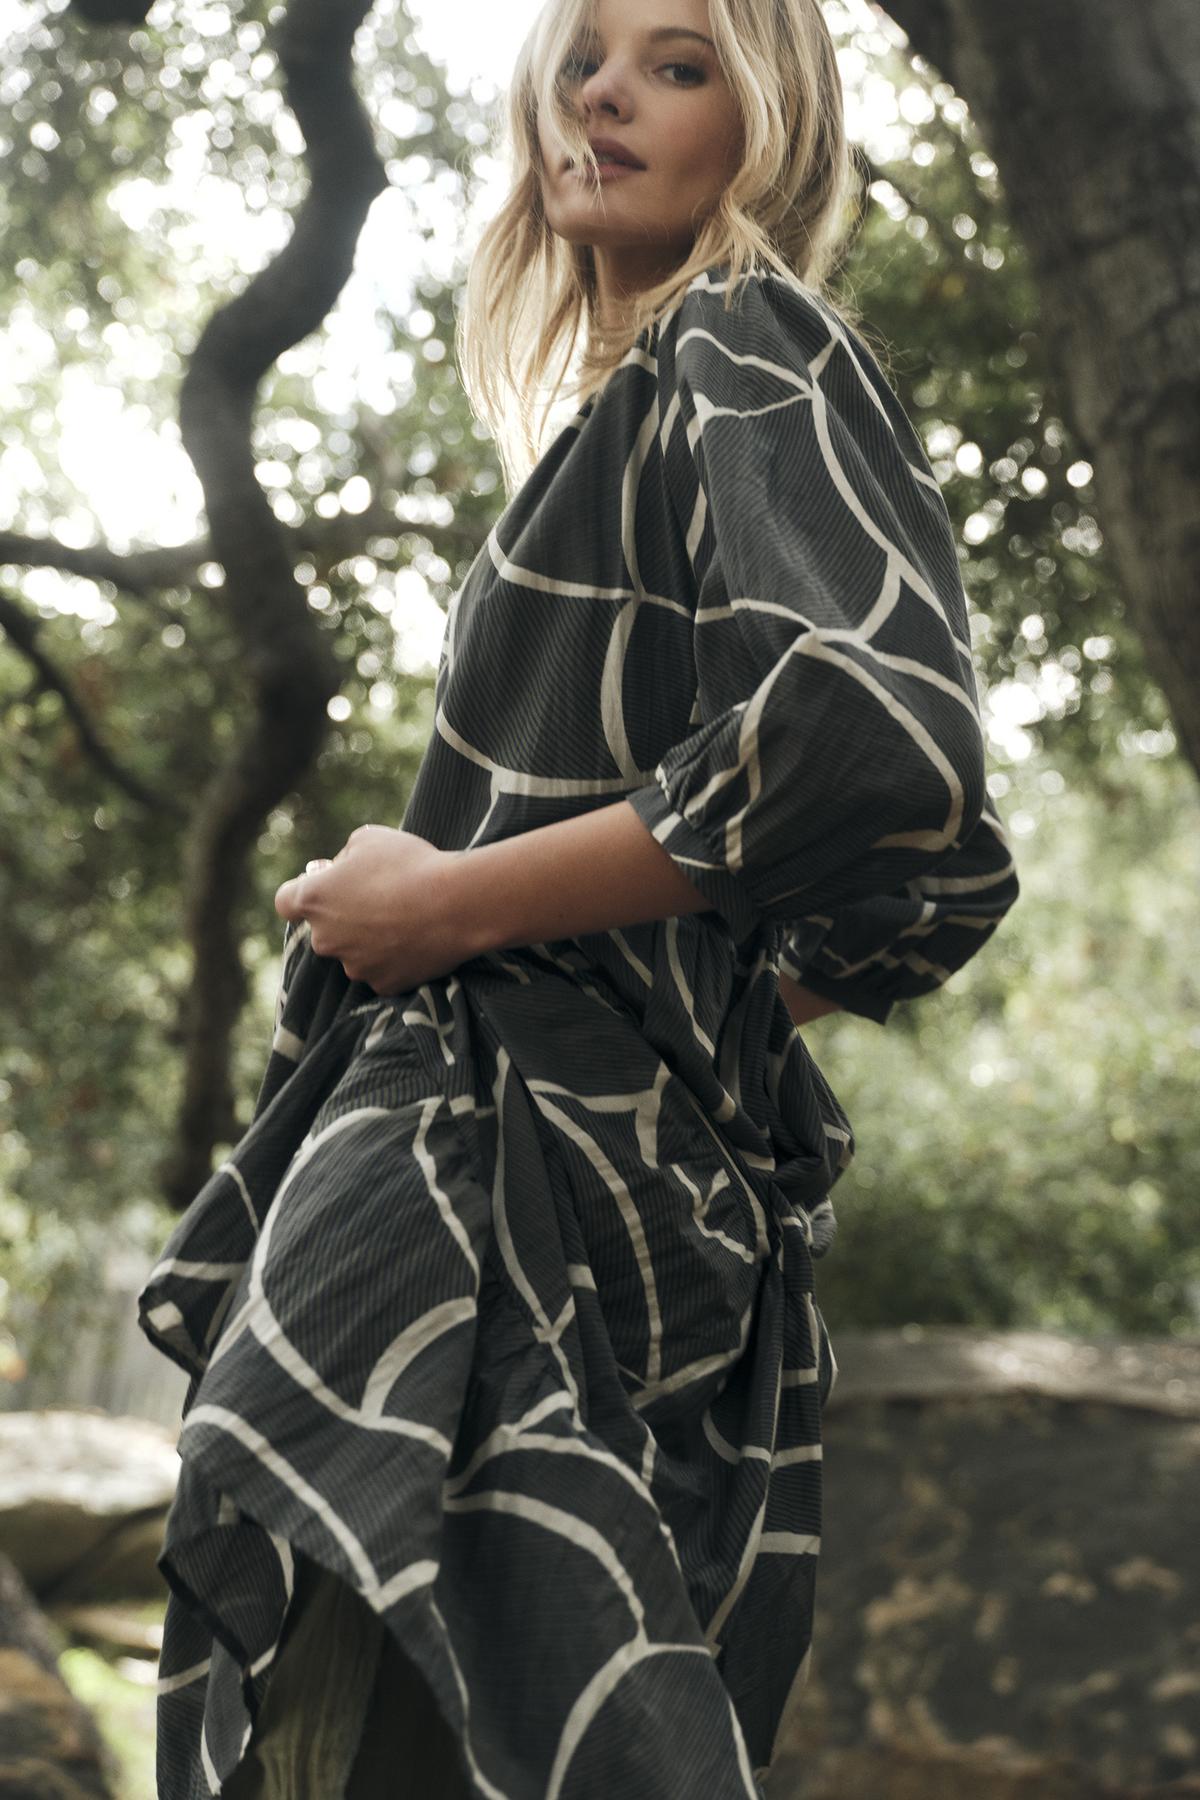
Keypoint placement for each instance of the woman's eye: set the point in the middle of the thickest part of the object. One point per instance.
(576, 67)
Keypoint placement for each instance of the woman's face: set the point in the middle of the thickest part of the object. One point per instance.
(650, 81)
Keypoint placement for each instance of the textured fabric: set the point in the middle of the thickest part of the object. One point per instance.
(306, 1737)
(502, 1310)
(346, 1716)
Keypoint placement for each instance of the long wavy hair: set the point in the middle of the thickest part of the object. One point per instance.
(531, 295)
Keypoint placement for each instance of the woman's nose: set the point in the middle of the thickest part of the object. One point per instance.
(603, 91)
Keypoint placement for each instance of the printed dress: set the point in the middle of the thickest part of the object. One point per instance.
(502, 1309)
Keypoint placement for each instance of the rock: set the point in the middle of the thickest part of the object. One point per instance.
(83, 1499)
(926, 1362)
(111, 1629)
(50, 1748)
(1008, 1602)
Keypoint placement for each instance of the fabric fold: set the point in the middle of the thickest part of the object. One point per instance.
(537, 1397)
(838, 752)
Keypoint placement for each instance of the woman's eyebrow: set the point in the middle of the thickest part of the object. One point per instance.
(676, 31)
(670, 31)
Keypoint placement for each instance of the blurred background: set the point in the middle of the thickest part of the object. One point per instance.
(1029, 1138)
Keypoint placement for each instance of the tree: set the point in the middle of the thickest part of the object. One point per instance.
(147, 699)
(261, 583)
(1091, 109)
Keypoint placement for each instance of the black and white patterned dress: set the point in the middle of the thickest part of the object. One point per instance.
(502, 1309)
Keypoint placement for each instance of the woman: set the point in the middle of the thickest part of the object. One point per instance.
(501, 1460)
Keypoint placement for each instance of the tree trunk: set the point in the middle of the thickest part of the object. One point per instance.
(1091, 110)
(291, 670)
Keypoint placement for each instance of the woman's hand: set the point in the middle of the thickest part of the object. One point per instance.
(381, 909)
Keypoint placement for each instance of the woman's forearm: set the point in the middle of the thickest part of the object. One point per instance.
(396, 911)
(596, 872)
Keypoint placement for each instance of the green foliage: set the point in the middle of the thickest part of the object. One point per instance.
(121, 1700)
(127, 156)
(1026, 1139)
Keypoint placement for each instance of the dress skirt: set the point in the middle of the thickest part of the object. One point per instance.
(531, 1369)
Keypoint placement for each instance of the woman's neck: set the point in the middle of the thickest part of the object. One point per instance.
(619, 280)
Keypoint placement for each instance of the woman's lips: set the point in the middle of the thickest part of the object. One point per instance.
(609, 171)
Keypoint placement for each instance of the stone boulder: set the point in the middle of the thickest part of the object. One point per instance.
(1008, 1602)
(1008, 1599)
(83, 1500)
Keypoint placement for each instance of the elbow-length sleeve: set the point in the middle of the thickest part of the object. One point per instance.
(835, 772)
(898, 946)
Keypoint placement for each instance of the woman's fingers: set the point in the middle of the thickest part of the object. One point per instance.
(288, 898)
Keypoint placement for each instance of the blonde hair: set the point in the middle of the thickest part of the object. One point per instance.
(529, 292)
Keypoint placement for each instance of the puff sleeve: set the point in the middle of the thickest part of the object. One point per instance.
(836, 768)
(898, 946)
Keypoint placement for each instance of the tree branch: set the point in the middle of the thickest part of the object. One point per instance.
(139, 572)
(112, 12)
(147, 571)
(22, 632)
(292, 670)
(929, 28)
